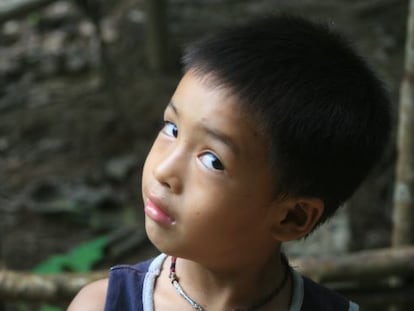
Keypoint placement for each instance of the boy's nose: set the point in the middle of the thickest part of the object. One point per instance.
(167, 172)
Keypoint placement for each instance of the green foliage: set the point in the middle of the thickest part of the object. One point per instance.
(80, 259)
(50, 308)
(34, 18)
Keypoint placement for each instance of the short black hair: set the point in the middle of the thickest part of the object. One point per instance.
(324, 111)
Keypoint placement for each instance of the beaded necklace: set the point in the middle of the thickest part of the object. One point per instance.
(196, 306)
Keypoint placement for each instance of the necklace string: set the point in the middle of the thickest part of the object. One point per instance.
(196, 306)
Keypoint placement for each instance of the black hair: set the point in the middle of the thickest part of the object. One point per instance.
(325, 113)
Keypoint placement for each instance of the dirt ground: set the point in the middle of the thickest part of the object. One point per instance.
(73, 138)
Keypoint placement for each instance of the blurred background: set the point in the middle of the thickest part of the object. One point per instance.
(82, 88)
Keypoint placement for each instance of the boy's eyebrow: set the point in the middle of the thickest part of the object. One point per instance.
(216, 134)
(173, 107)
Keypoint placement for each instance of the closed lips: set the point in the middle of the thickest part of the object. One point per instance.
(156, 213)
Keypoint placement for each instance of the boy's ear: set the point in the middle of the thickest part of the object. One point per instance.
(294, 218)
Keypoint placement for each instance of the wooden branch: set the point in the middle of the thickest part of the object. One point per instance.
(24, 286)
(369, 266)
(377, 298)
(18, 8)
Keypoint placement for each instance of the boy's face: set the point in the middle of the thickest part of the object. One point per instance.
(207, 185)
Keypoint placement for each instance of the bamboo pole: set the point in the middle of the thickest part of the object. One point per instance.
(403, 213)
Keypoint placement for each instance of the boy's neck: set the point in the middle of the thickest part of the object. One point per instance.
(230, 288)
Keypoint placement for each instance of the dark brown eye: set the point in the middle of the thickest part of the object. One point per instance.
(170, 129)
(211, 161)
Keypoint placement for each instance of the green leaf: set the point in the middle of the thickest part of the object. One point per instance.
(49, 308)
(80, 259)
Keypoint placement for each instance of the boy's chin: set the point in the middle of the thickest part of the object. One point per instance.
(158, 237)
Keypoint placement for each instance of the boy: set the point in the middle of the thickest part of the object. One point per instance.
(273, 126)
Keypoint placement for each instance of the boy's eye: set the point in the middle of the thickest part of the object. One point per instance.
(211, 161)
(170, 129)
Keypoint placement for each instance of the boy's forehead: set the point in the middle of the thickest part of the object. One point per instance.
(206, 83)
(199, 90)
(215, 106)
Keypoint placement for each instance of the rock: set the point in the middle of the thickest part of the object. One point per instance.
(92, 197)
(39, 97)
(54, 42)
(109, 30)
(49, 66)
(118, 169)
(136, 16)
(86, 29)
(15, 95)
(10, 33)
(4, 144)
(52, 197)
(75, 60)
(58, 15)
(50, 145)
(11, 68)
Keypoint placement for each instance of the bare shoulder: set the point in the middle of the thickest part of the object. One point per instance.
(91, 297)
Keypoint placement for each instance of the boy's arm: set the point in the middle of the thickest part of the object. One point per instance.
(91, 297)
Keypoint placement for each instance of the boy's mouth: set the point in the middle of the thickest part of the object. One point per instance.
(156, 213)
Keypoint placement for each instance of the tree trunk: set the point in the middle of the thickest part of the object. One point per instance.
(156, 34)
(403, 232)
(403, 213)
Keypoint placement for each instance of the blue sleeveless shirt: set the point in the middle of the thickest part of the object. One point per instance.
(131, 288)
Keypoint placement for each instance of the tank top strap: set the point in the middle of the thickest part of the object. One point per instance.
(125, 287)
